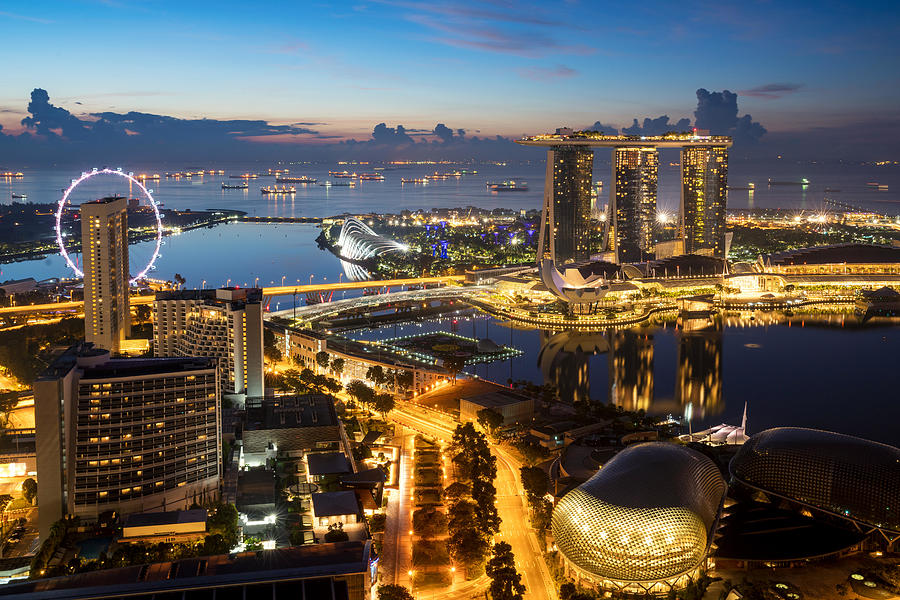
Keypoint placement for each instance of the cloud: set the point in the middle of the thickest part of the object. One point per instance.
(607, 129)
(505, 28)
(658, 126)
(547, 73)
(446, 134)
(718, 112)
(391, 136)
(771, 90)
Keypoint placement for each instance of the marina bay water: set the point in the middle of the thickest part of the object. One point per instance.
(742, 360)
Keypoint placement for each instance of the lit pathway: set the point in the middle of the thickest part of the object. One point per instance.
(511, 506)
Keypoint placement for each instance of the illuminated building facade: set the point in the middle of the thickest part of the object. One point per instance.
(566, 222)
(704, 184)
(633, 195)
(847, 477)
(635, 180)
(643, 523)
(104, 244)
(226, 324)
(129, 435)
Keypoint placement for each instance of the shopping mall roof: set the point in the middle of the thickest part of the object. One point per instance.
(327, 463)
(836, 254)
(335, 504)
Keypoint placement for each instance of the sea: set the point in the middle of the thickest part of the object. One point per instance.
(839, 375)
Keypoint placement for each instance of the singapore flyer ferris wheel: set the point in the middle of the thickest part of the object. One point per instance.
(117, 173)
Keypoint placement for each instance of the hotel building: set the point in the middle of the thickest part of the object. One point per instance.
(704, 182)
(226, 324)
(566, 224)
(633, 195)
(104, 244)
(635, 182)
(130, 435)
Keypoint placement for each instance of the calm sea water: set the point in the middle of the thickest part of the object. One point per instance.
(842, 378)
(838, 376)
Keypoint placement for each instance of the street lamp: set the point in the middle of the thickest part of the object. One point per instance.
(256, 282)
(227, 283)
(311, 278)
(340, 277)
(203, 286)
(282, 280)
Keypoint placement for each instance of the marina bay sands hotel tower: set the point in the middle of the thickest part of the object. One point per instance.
(565, 234)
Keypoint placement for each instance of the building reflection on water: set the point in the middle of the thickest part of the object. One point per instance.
(565, 356)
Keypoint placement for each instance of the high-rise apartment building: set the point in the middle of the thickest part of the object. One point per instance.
(565, 234)
(104, 248)
(130, 435)
(226, 324)
(704, 181)
(635, 175)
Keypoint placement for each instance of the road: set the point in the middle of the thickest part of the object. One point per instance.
(396, 556)
(511, 506)
(282, 290)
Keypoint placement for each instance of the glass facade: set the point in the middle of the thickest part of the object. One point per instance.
(566, 228)
(704, 181)
(850, 477)
(644, 521)
(636, 177)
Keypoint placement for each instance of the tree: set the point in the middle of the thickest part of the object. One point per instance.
(142, 313)
(393, 592)
(405, 379)
(375, 374)
(456, 490)
(428, 522)
(360, 392)
(489, 419)
(535, 481)
(468, 547)
(506, 582)
(252, 544)
(179, 279)
(337, 366)
(454, 364)
(322, 359)
(214, 544)
(224, 521)
(384, 403)
(29, 489)
(336, 533)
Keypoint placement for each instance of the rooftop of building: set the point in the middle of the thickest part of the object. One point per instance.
(567, 137)
(686, 265)
(156, 519)
(320, 560)
(478, 391)
(213, 296)
(289, 412)
(835, 253)
(105, 200)
(327, 463)
(335, 504)
(91, 361)
(369, 477)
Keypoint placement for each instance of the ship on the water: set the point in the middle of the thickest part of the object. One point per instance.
(507, 186)
(749, 186)
(342, 174)
(244, 176)
(300, 179)
(12, 175)
(802, 182)
(274, 189)
(414, 180)
(20, 196)
(338, 184)
(235, 186)
(371, 177)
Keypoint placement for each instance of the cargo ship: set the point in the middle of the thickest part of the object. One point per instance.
(342, 174)
(508, 186)
(338, 184)
(244, 176)
(235, 186)
(415, 180)
(749, 186)
(371, 177)
(12, 175)
(147, 177)
(301, 179)
(278, 190)
(20, 196)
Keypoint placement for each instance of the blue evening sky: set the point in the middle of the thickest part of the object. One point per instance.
(491, 67)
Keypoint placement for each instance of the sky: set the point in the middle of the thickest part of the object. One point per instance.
(321, 73)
